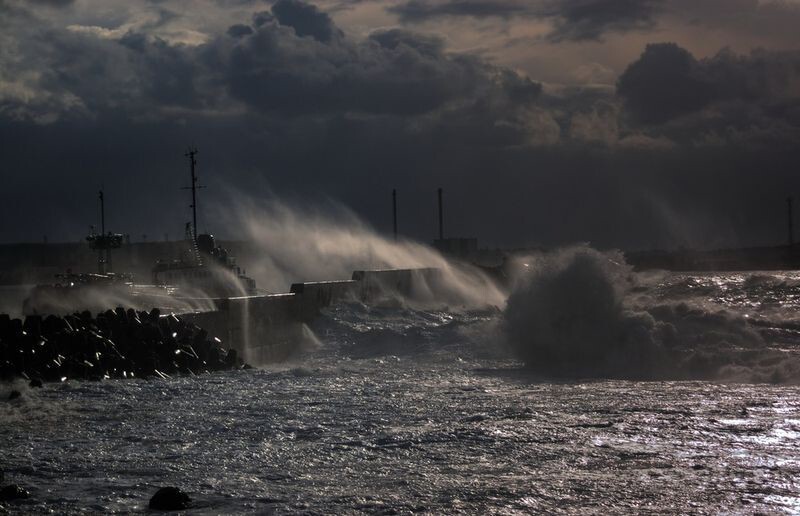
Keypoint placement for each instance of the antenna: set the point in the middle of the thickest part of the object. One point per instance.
(394, 212)
(103, 242)
(102, 212)
(103, 264)
(191, 153)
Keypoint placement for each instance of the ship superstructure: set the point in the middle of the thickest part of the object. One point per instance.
(205, 269)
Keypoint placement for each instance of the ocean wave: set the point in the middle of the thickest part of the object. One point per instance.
(580, 312)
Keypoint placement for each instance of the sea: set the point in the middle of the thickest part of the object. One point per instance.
(686, 402)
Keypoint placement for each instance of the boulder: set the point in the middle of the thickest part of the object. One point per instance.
(111, 345)
(12, 492)
(170, 499)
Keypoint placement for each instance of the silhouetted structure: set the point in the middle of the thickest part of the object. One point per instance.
(211, 271)
(191, 153)
(104, 242)
(464, 248)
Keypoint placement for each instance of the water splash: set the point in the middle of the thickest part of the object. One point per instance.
(580, 312)
(328, 242)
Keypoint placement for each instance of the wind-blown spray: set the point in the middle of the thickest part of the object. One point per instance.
(328, 242)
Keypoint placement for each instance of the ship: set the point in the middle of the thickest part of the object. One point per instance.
(87, 291)
(210, 270)
(203, 272)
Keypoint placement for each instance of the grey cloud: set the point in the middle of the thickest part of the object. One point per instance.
(393, 71)
(393, 38)
(306, 20)
(574, 20)
(53, 3)
(133, 74)
(418, 10)
(239, 30)
(262, 18)
(667, 82)
(591, 19)
(270, 68)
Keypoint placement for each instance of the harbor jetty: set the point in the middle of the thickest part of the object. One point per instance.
(129, 343)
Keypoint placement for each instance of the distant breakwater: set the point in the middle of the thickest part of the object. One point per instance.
(114, 344)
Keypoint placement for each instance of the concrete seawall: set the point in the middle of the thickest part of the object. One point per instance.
(270, 328)
(408, 283)
(260, 328)
(314, 296)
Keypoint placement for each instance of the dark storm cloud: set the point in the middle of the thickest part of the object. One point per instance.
(573, 20)
(133, 74)
(352, 117)
(388, 73)
(274, 67)
(418, 10)
(262, 17)
(590, 19)
(393, 39)
(306, 20)
(239, 30)
(393, 71)
(53, 3)
(667, 82)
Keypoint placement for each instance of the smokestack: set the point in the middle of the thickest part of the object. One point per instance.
(394, 212)
(790, 220)
(441, 217)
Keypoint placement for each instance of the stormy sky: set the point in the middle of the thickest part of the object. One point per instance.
(625, 123)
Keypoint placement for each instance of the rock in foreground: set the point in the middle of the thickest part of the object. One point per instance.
(170, 499)
(12, 492)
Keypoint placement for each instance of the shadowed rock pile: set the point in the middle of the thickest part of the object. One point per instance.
(115, 344)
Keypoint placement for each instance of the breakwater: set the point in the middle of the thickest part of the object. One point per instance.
(125, 343)
(271, 327)
(114, 344)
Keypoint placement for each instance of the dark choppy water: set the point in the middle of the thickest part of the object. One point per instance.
(405, 411)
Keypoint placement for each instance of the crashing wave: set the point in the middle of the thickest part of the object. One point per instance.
(579, 312)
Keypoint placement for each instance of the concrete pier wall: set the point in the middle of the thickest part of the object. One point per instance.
(315, 296)
(261, 328)
(419, 284)
(270, 328)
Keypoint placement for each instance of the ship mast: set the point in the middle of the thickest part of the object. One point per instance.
(104, 242)
(191, 153)
(102, 213)
(103, 265)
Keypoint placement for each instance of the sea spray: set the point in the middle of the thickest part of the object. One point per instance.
(327, 241)
(566, 316)
(580, 312)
